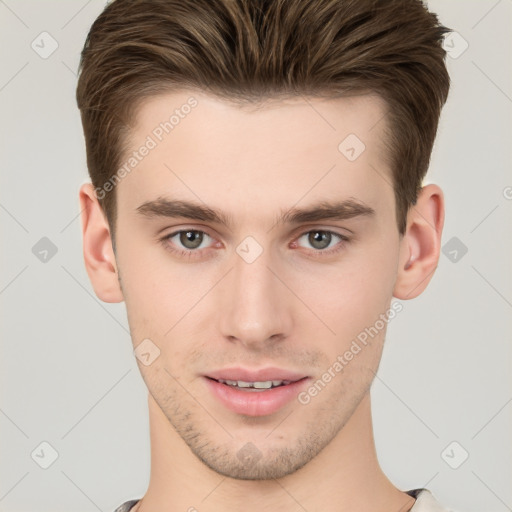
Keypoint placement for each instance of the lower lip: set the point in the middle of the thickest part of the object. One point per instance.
(255, 403)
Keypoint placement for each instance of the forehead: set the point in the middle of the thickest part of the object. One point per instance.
(278, 151)
(295, 119)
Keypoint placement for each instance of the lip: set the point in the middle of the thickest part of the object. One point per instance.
(261, 375)
(256, 403)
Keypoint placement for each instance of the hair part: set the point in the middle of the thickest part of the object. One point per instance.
(247, 51)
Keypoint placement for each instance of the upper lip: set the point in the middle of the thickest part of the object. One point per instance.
(262, 375)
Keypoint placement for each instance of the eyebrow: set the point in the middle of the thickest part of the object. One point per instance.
(324, 210)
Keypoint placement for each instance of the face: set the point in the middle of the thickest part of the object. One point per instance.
(258, 245)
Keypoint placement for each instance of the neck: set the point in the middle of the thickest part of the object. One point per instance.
(343, 477)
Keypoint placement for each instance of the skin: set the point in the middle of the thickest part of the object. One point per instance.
(293, 307)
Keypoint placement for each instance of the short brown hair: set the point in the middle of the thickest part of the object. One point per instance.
(244, 51)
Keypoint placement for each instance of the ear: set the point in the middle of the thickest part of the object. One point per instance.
(99, 257)
(421, 244)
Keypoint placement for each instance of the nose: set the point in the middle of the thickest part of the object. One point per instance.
(253, 308)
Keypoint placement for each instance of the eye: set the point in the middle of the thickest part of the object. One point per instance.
(320, 240)
(188, 239)
(192, 243)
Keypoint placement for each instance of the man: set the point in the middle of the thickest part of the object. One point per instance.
(257, 202)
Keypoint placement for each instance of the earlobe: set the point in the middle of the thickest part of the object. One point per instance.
(421, 243)
(99, 256)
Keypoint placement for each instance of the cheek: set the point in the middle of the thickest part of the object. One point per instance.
(351, 294)
(157, 294)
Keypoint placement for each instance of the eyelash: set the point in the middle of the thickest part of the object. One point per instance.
(193, 253)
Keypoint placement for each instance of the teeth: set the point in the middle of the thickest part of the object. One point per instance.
(256, 385)
(262, 385)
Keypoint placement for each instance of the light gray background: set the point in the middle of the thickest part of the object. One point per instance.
(68, 376)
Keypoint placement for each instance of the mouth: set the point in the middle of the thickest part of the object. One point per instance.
(255, 386)
(255, 393)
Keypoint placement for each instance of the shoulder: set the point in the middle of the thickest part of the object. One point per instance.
(126, 506)
(426, 502)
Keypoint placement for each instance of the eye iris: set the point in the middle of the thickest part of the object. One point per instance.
(319, 239)
(191, 239)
